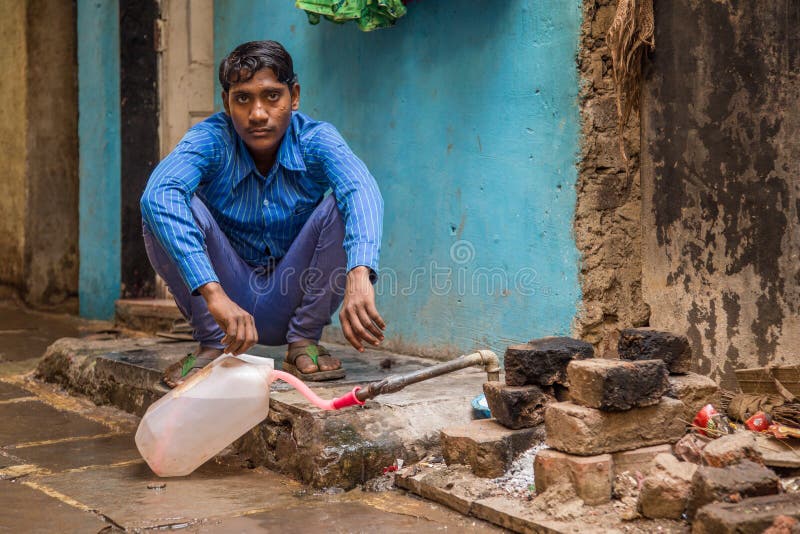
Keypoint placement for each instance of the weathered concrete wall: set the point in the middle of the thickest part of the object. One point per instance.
(466, 112)
(608, 211)
(12, 141)
(51, 248)
(721, 181)
(38, 140)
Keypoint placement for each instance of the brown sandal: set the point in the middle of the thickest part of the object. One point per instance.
(313, 352)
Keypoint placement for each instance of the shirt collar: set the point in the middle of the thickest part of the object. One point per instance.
(289, 154)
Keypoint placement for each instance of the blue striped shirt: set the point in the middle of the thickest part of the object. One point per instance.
(260, 215)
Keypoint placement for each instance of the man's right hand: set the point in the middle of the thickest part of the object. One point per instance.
(238, 325)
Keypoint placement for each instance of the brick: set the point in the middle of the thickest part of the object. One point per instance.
(487, 446)
(666, 488)
(517, 406)
(543, 362)
(731, 449)
(587, 431)
(749, 516)
(695, 391)
(745, 479)
(649, 344)
(617, 385)
(590, 476)
(638, 460)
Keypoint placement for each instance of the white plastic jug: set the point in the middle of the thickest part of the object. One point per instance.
(205, 414)
(212, 409)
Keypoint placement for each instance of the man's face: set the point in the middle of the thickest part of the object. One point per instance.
(261, 109)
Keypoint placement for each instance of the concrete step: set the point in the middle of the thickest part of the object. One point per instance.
(147, 315)
(323, 449)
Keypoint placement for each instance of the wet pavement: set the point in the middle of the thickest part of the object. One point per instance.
(67, 465)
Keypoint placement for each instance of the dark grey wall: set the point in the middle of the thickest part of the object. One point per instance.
(721, 181)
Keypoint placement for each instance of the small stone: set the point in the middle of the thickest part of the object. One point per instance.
(695, 391)
(543, 361)
(690, 448)
(487, 446)
(516, 406)
(745, 479)
(590, 476)
(648, 344)
(587, 431)
(665, 490)
(638, 460)
(731, 449)
(749, 516)
(617, 385)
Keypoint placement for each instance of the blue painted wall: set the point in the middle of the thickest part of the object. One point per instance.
(466, 114)
(99, 154)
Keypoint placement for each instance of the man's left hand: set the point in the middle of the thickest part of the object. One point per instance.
(359, 317)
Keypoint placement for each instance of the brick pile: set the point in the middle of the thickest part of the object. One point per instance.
(621, 414)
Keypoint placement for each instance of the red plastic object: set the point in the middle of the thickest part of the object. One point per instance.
(347, 400)
(703, 417)
(758, 422)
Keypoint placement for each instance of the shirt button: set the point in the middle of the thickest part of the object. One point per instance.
(266, 202)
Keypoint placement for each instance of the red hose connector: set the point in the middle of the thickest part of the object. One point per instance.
(347, 400)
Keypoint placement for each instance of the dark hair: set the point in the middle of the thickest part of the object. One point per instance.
(249, 58)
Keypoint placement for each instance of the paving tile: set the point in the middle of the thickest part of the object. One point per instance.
(28, 421)
(335, 517)
(73, 454)
(122, 493)
(25, 509)
(11, 391)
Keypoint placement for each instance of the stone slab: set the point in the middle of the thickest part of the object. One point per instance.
(122, 493)
(779, 453)
(81, 453)
(649, 344)
(12, 391)
(638, 460)
(731, 449)
(695, 391)
(487, 446)
(25, 509)
(543, 362)
(745, 479)
(517, 406)
(617, 385)
(749, 516)
(586, 431)
(147, 315)
(342, 448)
(22, 423)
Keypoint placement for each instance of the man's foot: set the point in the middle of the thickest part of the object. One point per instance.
(179, 371)
(311, 361)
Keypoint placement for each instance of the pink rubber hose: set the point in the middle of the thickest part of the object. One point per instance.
(334, 404)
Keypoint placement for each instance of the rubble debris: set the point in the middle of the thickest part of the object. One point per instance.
(749, 516)
(517, 406)
(487, 446)
(649, 344)
(560, 502)
(617, 385)
(690, 447)
(731, 449)
(587, 431)
(666, 488)
(730, 484)
(777, 453)
(543, 362)
(590, 476)
(695, 391)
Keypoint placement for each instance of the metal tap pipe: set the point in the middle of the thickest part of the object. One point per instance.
(484, 358)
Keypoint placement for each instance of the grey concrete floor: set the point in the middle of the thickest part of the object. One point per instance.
(67, 465)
